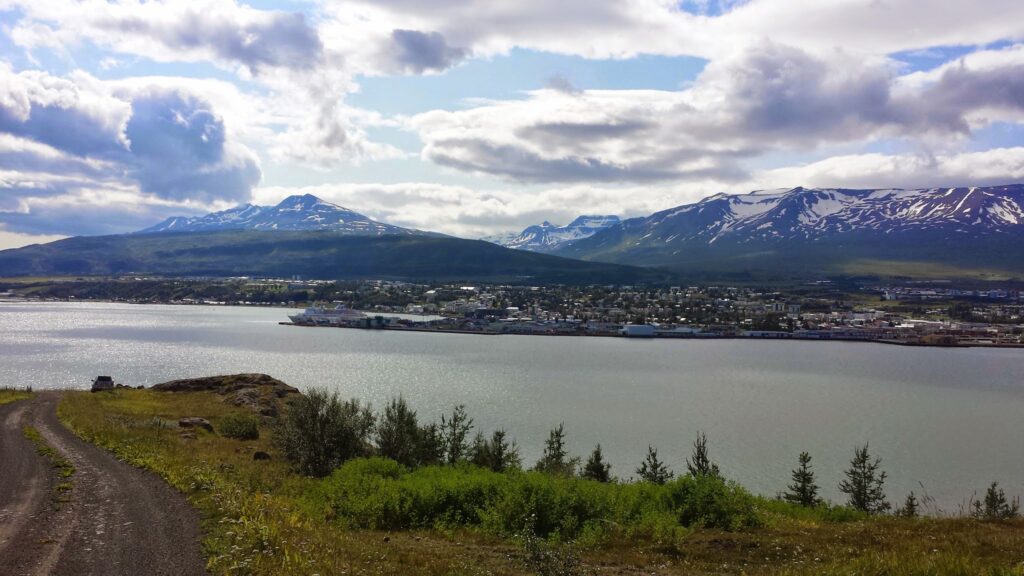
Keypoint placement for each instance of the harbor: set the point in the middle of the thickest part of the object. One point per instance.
(489, 324)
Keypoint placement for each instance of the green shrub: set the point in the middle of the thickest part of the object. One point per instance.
(381, 494)
(240, 427)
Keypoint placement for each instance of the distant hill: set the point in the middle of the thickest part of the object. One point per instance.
(804, 232)
(547, 237)
(311, 254)
(306, 212)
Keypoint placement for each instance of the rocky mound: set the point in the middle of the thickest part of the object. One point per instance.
(259, 392)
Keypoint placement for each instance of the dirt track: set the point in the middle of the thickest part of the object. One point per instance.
(115, 520)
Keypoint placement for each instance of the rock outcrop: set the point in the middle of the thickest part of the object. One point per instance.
(258, 392)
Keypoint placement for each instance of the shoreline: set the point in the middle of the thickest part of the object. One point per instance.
(889, 342)
(606, 335)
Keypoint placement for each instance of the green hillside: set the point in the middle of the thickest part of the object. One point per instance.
(318, 254)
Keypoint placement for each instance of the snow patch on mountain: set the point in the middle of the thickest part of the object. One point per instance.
(808, 213)
(306, 212)
(547, 237)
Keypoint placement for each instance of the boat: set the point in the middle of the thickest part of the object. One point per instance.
(320, 316)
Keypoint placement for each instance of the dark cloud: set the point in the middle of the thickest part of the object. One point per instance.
(961, 89)
(516, 163)
(276, 39)
(787, 93)
(419, 52)
(569, 132)
(70, 129)
(177, 131)
(562, 84)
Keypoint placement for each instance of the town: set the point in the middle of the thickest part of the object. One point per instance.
(913, 314)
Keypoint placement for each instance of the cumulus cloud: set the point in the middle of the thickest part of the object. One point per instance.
(179, 130)
(761, 100)
(67, 113)
(75, 142)
(282, 52)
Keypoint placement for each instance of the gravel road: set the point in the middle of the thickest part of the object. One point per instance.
(115, 520)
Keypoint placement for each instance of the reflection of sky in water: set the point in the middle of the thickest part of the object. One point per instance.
(949, 418)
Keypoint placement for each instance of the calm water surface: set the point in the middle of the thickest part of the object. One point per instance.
(952, 419)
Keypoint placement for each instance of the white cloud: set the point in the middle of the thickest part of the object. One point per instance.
(772, 98)
(77, 141)
(626, 28)
(984, 168)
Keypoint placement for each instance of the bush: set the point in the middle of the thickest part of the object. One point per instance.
(240, 427)
(319, 432)
(381, 494)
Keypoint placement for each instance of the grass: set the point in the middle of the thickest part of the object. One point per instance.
(65, 469)
(374, 517)
(924, 270)
(8, 395)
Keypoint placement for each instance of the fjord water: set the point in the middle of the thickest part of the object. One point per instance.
(950, 419)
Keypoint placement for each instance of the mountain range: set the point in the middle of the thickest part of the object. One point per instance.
(789, 234)
(829, 230)
(305, 212)
(547, 237)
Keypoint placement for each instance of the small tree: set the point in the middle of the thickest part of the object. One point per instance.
(319, 432)
(455, 434)
(430, 445)
(596, 468)
(864, 483)
(911, 507)
(556, 459)
(652, 469)
(700, 464)
(497, 454)
(803, 490)
(996, 505)
(398, 433)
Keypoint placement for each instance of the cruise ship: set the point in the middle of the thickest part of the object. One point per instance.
(320, 316)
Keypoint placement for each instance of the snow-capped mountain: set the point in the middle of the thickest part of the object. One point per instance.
(923, 222)
(547, 237)
(305, 212)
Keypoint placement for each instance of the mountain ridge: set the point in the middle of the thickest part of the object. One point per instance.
(294, 213)
(825, 227)
(318, 254)
(547, 237)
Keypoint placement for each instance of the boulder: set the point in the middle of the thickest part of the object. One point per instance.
(260, 455)
(194, 422)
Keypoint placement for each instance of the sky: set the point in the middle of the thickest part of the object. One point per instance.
(475, 118)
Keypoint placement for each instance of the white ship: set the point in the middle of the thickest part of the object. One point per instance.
(320, 316)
